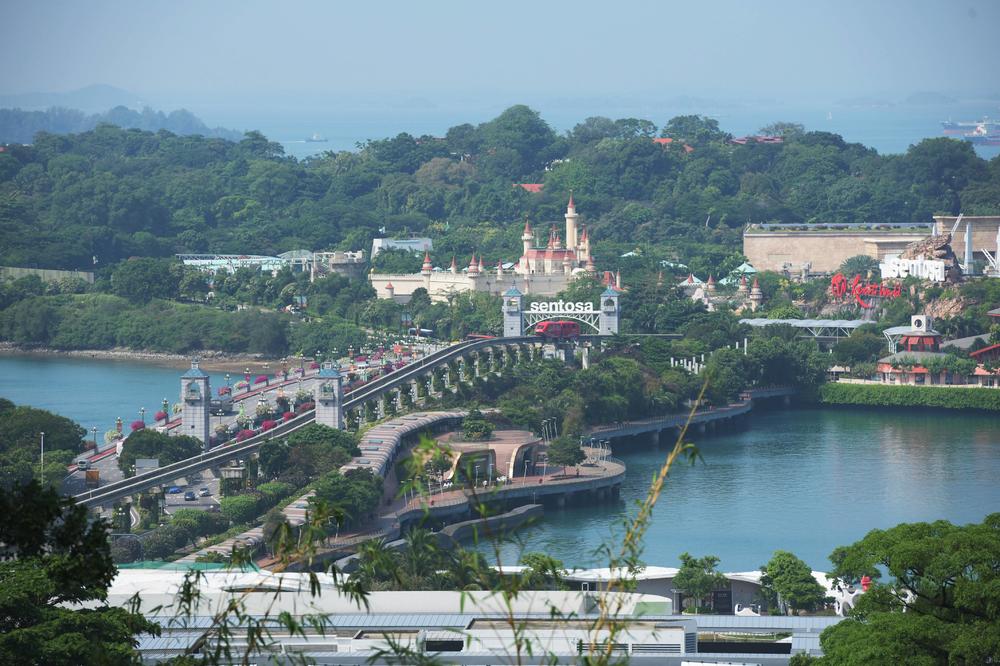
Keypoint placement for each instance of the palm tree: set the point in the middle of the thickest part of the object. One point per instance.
(421, 557)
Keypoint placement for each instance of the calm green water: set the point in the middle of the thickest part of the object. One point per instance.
(799, 480)
(93, 392)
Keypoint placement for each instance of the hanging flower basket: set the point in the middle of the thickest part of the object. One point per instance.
(137, 425)
(160, 416)
(260, 379)
(244, 434)
(305, 407)
(225, 390)
(267, 425)
(242, 385)
(314, 365)
(288, 416)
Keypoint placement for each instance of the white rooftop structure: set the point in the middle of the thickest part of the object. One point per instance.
(817, 328)
(408, 244)
(232, 262)
(470, 627)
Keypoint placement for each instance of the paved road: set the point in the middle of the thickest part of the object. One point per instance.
(195, 483)
(75, 482)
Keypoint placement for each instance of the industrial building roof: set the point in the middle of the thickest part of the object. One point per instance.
(807, 323)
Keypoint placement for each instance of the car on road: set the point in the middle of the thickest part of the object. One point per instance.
(173, 490)
(204, 492)
(189, 496)
(83, 464)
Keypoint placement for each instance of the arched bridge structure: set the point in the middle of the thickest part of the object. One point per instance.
(400, 389)
(517, 320)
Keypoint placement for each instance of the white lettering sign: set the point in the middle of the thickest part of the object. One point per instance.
(563, 307)
(925, 269)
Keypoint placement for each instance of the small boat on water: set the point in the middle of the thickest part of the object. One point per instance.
(316, 138)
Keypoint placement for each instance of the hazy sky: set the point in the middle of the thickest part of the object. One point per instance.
(779, 48)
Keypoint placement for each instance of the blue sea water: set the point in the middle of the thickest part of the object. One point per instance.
(889, 128)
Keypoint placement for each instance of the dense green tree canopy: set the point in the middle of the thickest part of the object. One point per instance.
(152, 444)
(51, 554)
(792, 581)
(565, 451)
(940, 604)
(21, 429)
(698, 576)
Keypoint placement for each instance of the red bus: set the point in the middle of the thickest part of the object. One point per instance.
(558, 329)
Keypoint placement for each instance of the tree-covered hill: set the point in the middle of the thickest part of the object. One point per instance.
(112, 193)
(20, 126)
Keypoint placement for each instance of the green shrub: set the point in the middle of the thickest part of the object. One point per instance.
(875, 395)
(240, 508)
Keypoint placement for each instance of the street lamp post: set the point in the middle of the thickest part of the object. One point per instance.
(93, 431)
(142, 415)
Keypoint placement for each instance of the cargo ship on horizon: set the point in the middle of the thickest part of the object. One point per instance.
(984, 135)
(966, 126)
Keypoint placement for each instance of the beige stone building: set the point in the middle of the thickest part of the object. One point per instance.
(781, 247)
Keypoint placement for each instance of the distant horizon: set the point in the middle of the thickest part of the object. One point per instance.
(151, 97)
(887, 125)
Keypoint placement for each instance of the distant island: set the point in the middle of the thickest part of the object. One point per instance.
(19, 126)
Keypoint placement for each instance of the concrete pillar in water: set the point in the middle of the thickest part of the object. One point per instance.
(585, 357)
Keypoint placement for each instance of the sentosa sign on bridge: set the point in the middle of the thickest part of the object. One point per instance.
(563, 307)
(603, 318)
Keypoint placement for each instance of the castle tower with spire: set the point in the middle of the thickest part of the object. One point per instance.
(571, 220)
(543, 269)
(756, 296)
(527, 238)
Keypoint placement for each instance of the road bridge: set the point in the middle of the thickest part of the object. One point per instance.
(393, 381)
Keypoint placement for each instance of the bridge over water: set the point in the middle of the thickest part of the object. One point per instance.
(462, 362)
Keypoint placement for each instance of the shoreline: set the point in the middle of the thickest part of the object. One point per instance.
(209, 359)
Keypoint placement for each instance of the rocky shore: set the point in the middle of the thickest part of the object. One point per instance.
(210, 360)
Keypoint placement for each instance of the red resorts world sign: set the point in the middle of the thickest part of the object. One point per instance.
(860, 290)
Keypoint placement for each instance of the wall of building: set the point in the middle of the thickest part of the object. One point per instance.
(443, 284)
(825, 251)
(46, 274)
(984, 233)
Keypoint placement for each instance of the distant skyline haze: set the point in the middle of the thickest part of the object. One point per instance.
(182, 51)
